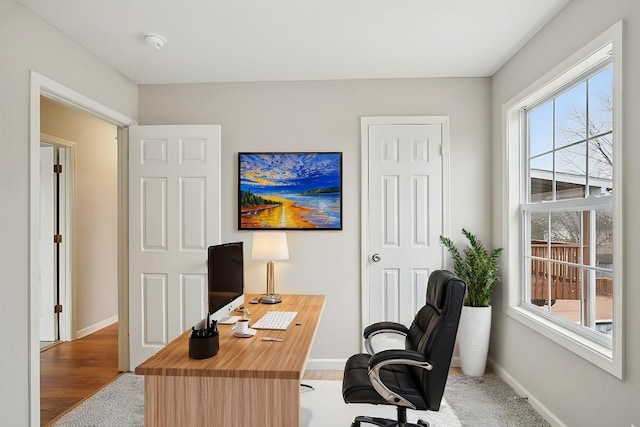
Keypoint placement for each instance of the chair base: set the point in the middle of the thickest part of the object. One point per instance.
(386, 422)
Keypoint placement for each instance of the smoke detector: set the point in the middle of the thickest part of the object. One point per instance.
(156, 40)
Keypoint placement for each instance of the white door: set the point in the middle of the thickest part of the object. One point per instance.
(58, 211)
(48, 324)
(404, 209)
(174, 215)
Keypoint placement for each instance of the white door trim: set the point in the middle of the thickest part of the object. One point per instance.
(49, 265)
(365, 122)
(43, 86)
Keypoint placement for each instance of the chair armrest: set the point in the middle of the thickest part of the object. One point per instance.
(394, 357)
(382, 328)
(385, 326)
(399, 357)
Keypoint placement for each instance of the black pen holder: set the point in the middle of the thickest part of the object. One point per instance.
(203, 347)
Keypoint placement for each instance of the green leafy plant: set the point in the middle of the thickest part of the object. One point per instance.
(477, 267)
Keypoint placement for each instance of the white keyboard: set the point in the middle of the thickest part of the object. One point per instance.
(275, 320)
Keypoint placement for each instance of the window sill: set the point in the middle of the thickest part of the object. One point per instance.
(597, 354)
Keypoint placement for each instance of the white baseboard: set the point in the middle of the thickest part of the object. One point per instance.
(518, 388)
(96, 326)
(455, 362)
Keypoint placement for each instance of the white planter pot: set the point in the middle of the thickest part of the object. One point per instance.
(473, 339)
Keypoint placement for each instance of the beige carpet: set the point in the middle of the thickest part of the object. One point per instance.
(324, 407)
(468, 401)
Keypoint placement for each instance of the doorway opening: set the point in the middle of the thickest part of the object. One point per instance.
(44, 90)
(83, 292)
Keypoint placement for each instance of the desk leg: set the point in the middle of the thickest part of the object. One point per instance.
(229, 402)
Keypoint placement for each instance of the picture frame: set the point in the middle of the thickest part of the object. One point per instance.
(290, 191)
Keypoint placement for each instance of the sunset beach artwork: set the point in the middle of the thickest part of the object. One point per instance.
(290, 191)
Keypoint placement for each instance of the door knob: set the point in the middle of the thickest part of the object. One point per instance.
(376, 258)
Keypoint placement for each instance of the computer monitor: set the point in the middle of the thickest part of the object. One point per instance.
(225, 268)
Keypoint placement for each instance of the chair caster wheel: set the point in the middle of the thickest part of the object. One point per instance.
(423, 423)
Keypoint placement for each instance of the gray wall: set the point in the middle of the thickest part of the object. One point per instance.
(575, 391)
(27, 43)
(305, 116)
(96, 212)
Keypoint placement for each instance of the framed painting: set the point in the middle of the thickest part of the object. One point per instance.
(290, 191)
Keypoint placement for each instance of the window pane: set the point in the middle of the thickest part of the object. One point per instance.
(597, 238)
(539, 223)
(538, 248)
(541, 170)
(604, 303)
(566, 229)
(604, 279)
(571, 113)
(541, 129)
(566, 293)
(571, 165)
(604, 239)
(539, 277)
(600, 103)
(601, 165)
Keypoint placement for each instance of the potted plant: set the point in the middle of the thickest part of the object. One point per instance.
(479, 269)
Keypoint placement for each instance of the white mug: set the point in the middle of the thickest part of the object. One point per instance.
(241, 326)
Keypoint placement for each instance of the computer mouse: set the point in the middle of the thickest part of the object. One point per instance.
(254, 301)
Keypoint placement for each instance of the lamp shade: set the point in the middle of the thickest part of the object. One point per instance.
(269, 246)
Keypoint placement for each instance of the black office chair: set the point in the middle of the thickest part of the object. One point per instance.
(416, 376)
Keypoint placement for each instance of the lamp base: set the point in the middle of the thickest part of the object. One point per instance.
(270, 299)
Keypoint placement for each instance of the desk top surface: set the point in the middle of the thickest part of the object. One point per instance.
(248, 357)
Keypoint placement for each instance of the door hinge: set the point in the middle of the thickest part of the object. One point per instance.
(57, 168)
(57, 238)
(57, 308)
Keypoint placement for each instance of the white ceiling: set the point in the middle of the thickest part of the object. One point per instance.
(272, 40)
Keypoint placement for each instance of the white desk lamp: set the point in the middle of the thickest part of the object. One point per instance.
(270, 246)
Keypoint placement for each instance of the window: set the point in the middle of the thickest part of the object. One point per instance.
(562, 186)
(568, 204)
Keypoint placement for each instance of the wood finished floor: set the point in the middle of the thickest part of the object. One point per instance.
(71, 372)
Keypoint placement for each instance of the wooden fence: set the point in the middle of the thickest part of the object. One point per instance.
(604, 286)
(565, 279)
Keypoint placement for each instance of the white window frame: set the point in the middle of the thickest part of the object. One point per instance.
(607, 356)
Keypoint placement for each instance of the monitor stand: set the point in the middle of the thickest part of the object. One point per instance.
(270, 299)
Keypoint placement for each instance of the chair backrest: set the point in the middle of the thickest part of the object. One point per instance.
(433, 333)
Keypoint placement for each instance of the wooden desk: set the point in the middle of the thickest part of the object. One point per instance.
(249, 382)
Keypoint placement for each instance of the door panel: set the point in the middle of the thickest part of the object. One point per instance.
(174, 205)
(154, 316)
(405, 217)
(193, 213)
(154, 214)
